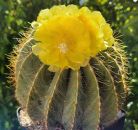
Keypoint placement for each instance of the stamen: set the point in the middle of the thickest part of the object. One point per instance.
(63, 47)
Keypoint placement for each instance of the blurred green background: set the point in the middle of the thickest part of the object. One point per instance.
(15, 18)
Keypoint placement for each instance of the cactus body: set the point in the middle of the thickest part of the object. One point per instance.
(80, 99)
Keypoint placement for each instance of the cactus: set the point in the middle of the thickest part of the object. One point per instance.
(77, 99)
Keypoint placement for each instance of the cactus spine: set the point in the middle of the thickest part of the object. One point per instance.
(83, 99)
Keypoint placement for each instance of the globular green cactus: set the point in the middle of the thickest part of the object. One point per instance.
(83, 98)
(77, 99)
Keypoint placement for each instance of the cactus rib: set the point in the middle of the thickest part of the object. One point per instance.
(92, 105)
(108, 95)
(116, 73)
(70, 102)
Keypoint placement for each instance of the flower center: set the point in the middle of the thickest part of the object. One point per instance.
(63, 47)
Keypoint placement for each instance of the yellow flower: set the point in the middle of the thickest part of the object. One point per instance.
(68, 36)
